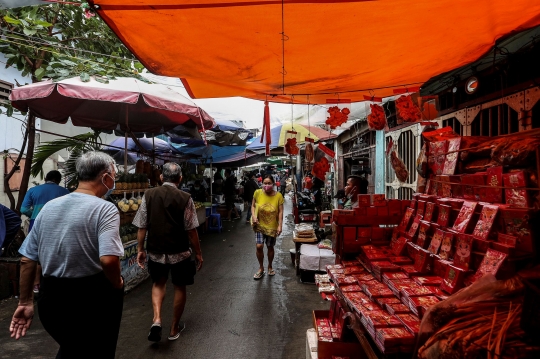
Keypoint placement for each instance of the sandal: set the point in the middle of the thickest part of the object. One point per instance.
(259, 275)
(155, 333)
(271, 272)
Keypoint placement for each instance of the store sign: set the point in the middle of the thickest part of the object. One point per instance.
(132, 273)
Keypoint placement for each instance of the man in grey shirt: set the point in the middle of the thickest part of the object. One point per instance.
(80, 256)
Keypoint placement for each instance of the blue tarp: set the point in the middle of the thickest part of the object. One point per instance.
(256, 145)
(214, 154)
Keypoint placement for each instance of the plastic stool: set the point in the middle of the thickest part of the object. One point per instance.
(208, 211)
(215, 222)
(214, 208)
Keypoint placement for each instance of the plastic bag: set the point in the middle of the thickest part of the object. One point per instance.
(325, 244)
(124, 204)
(337, 117)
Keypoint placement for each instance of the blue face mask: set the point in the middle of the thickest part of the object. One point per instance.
(109, 190)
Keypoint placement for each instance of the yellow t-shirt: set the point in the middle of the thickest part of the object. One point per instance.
(267, 212)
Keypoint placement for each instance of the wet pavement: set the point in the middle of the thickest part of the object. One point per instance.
(228, 314)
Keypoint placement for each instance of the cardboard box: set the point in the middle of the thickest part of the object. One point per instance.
(394, 207)
(349, 233)
(378, 200)
(364, 200)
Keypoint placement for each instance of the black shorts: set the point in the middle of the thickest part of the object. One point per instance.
(229, 202)
(182, 273)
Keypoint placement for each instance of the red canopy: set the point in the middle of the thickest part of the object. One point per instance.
(329, 48)
(108, 106)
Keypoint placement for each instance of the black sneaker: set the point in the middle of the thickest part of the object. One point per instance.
(155, 333)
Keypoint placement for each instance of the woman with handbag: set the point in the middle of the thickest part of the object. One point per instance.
(267, 222)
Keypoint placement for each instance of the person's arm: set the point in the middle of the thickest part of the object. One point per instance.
(13, 222)
(280, 219)
(141, 253)
(26, 207)
(253, 213)
(111, 268)
(22, 318)
(196, 246)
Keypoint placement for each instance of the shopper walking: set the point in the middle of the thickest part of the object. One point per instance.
(229, 190)
(249, 189)
(283, 183)
(81, 298)
(267, 221)
(36, 198)
(168, 216)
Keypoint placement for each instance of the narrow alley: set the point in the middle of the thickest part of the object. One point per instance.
(228, 314)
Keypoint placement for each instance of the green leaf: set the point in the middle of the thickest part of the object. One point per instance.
(68, 63)
(9, 112)
(29, 32)
(39, 73)
(84, 77)
(42, 23)
(11, 20)
(102, 79)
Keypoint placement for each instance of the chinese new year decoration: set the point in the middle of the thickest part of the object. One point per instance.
(291, 148)
(309, 152)
(337, 117)
(320, 168)
(407, 110)
(377, 118)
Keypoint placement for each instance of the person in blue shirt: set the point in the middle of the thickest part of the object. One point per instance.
(10, 223)
(35, 199)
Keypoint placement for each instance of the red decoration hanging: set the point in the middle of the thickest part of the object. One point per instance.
(337, 117)
(320, 168)
(377, 118)
(290, 147)
(266, 128)
(407, 110)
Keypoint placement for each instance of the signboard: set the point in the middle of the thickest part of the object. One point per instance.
(132, 273)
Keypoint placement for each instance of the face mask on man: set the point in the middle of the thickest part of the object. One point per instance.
(350, 195)
(109, 190)
(197, 188)
(268, 187)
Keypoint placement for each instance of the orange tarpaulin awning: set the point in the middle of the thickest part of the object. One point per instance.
(329, 49)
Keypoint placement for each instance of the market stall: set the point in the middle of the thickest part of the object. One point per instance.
(452, 272)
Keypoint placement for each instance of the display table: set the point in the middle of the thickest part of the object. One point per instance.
(201, 215)
(297, 243)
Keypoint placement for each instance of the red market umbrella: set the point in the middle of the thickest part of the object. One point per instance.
(121, 104)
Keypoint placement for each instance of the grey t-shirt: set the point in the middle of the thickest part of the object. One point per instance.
(71, 233)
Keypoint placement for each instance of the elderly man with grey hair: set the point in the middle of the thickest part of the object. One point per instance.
(75, 238)
(168, 216)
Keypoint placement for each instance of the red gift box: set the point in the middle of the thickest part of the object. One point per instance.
(436, 241)
(363, 232)
(349, 233)
(424, 231)
(378, 200)
(437, 156)
(364, 200)
(452, 156)
(494, 179)
(485, 222)
(414, 226)
(443, 219)
(394, 207)
(371, 211)
(453, 279)
(360, 211)
(382, 211)
(516, 197)
(463, 220)
(462, 255)
(430, 212)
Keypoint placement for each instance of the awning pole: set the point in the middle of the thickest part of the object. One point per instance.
(211, 177)
(126, 142)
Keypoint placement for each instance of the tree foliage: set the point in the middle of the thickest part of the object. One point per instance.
(58, 41)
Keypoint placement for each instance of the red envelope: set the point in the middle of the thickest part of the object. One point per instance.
(516, 197)
(495, 179)
(462, 255)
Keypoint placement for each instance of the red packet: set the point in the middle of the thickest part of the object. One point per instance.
(428, 188)
(452, 157)
(464, 217)
(436, 241)
(437, 156)
(440, 266)
(428, 280)
(423, 233)
(445, 186)
(447, 249)
(462, 256)
(516, 197)
(414, 226)
(507, 239)
(421, 207)
(494, 179)
(485, 222)
(422, 262)
(453, 279)
(480, 181)
(455, 185)
(398, 247)
(364, 200)
(409, 214)
(413, 204)
(490, 264)
(444, 215)
(429, 212)
(468, 185)
(516, 223)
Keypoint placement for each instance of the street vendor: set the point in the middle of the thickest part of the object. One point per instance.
(352, 189)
